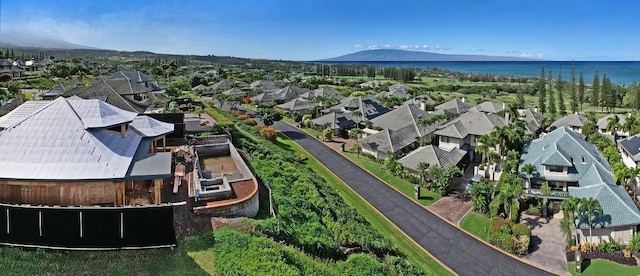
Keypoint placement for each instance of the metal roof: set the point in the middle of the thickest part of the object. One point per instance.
(20, 112)
(54, 143)
(150, 127)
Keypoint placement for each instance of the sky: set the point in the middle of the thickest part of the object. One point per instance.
(313, 29)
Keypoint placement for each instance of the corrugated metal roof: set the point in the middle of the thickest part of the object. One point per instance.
(54, 143)
(21, 111)
(150, 127)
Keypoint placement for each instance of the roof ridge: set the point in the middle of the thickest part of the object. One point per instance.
(635, 211)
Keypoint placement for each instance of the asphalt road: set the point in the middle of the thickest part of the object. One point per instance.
(460, 252)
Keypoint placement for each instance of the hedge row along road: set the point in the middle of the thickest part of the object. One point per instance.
(456, 249)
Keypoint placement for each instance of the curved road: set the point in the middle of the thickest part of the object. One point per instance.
(460, 252)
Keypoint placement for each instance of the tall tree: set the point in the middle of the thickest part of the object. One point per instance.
(572, 91)
(510, 191)
(589, 209)
(613, 123)
(569, 208)
(581, 90)
(630, 125)
(552, 98)
(608, 95)
(529, 169)
(542, 94)
(595, 90)
(561, 107)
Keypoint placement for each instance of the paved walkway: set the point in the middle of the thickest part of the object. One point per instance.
(460, 252)
(547, 242)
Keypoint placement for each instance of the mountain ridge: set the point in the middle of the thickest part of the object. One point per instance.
(405, 55)
(17, 40)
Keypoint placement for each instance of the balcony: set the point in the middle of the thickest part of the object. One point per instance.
(553, 195)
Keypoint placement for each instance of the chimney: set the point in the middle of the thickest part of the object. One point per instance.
(535, 109)
(464, 99)
(423, 106)
(504, 106)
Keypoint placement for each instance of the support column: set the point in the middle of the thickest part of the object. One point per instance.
(157, 191)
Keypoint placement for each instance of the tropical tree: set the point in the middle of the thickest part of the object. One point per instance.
(569, 209)
(552, 97)
(581, 90)
(562, 109)
(357, 117)
(590, 209)
(483, 147)
(198, 111)
(595, 90)
(613, 123)
(630, 125)
(441, 178)
(481, 196)
(423, 168)
(572, 90)
(528, 169)
(510, 191)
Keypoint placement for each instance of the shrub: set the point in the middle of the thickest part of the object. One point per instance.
(585, 247)
(243, 117)
(522, 245)
(269, 134)
(627, 253)
(520, 230)
(494, 207)
(502, 240)
(251, 122)
(534, 209)
(634, 243)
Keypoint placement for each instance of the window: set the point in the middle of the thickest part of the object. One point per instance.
(555, 168)
(584, 160)
(444, 139)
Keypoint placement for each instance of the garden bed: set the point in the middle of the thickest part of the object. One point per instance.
(617, 257)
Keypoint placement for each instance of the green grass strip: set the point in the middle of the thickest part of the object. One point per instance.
(477, 224)
(604, 267)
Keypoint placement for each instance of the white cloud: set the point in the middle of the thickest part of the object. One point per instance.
(357, 46)
(540, 55)
(526, 55)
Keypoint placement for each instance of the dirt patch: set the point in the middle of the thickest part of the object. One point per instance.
(451, 208)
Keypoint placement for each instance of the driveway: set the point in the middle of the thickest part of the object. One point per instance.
(547, 242)
(463, 254)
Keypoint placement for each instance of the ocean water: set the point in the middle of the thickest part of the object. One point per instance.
(620, 72)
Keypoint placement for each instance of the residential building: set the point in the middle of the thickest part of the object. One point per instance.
(463, 131)
(490, 107)
(630, 150)
(456, 106)
(434, 156)
(604, 121)
(574, 121)
(574, 167)
(532, 120)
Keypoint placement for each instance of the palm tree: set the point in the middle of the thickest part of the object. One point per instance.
(630, 125)
(634, 173)
(613, 124)
(569, 208)
(423, 167)
(484, 147)
(529, 169)
(590, 208)
(509, 195)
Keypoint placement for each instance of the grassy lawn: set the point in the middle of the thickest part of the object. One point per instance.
(426, 197)
(476, 224)
(604, 267)
(414, 253)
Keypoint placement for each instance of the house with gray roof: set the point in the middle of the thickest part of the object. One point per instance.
(265, 85)
(532, 120)
(574, 121)
(394, 93)
(489, 107)
(7, 67)
(574, 167)
(72, 151)
(456, 106)
(336, 121)
(406, 115)
(280, 95)
(432, 155)
(604, 121)
(221, 85)
(388, 142)
(368, 106)
(424, 102)
(324, 92)
(463, 131)
(630, 150)
(299, 105)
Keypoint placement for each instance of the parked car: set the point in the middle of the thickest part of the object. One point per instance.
(476, 178)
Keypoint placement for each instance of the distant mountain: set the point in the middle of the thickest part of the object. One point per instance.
(403, 55)
(17, 40)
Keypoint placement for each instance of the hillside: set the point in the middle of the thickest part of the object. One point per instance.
(403, 55)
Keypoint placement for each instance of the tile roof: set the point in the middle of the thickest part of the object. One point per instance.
(390, 141)
(326, 92)
(489, 107)
(617, 207)
(297, 104)
(432, 155)
(406, 114)
(453, 106)
(471, 122)
(602, 122)
(533, 120)
(368, 106)
(334, 120)
(63, 141)
(113, 92)
(560, 147)
(571, 120)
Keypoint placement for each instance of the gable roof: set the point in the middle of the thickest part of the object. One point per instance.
(423, 99)
(394, 93)
(489, 107)
(406, 114)
(432, 155)
(390, 141)
(326, 92)
(571, 120)
(221, 85)
(532, 119)
(297, 104)
(235, 92)
(61, 141)
(334, 120)
(559, 148)
(103, 90)
(602, 122)
(368, 106)
(471, 122)
(453, 106)
(631, 145)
